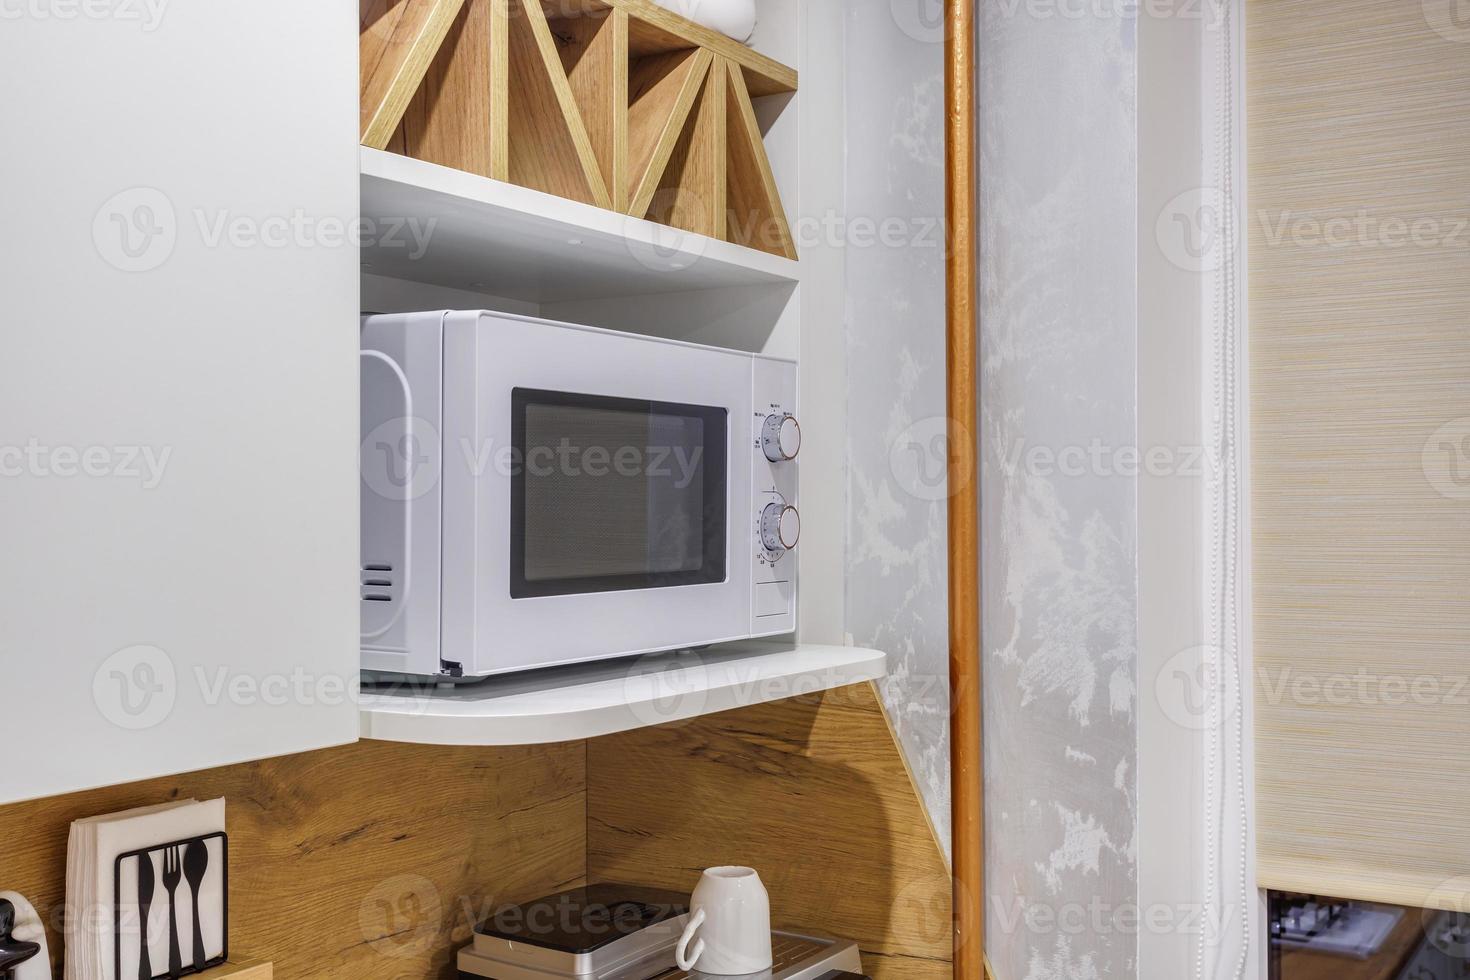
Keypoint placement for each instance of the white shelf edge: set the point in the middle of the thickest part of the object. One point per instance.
(478, 212)
(584, 701)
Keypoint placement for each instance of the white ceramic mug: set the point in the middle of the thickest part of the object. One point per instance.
(731, 913)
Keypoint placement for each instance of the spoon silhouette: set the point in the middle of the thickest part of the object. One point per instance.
(196, 861)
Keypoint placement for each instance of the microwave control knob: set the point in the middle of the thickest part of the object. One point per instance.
(780, 528)
(781, 437)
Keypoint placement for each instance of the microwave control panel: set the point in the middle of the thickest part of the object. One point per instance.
(775, 444)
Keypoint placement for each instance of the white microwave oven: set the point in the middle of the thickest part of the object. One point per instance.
(539, 493)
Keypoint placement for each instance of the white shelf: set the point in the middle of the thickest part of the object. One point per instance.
(493, 237)
(584, 701)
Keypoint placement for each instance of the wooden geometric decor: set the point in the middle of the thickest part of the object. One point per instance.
(448, 119)
(619, 104)
(549, 147)
(397, 39)
(755, 214)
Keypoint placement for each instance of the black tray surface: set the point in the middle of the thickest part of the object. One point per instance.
(584, 920)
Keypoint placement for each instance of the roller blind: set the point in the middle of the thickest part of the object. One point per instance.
(1358, 124)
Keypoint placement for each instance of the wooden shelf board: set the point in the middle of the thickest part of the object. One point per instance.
(588, 700)
(241, 969)
(493, 237)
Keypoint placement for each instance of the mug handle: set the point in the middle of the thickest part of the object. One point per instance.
(687, 963)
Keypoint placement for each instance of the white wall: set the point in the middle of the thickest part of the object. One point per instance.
(820, 188)
(1171, 364)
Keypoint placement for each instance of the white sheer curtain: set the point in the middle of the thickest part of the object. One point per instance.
(1230, 944)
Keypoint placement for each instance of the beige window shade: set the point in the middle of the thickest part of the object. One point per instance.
(1359, 197)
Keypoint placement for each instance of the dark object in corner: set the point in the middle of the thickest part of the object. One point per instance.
(13, 952)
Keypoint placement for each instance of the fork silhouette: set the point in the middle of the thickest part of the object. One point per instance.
(172, 874)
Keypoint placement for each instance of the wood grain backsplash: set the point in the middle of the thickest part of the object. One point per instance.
(812, 792)
(373, 861)
(367, 861)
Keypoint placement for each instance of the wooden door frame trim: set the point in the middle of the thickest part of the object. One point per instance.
(961, 364)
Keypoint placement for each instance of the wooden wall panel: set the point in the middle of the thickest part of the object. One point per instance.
(1359, 120)
(812, 792)
(372, 861)
(594, 52)
(756, 218)
(398, 41)
(362, 862)
(458, 117)
(662, 91)
(549, 148)
(691, 192)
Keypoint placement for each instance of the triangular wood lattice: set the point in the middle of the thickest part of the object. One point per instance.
(616, 103)
(663, 89)
(397, 40)
(549, 146)
(691, 188)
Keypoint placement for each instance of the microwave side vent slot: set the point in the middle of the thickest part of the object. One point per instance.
(376, 578)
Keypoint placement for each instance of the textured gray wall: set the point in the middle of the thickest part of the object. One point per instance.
(1058, 173)
(896, 580)
(1058, 280)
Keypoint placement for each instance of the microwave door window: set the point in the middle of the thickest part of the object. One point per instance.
(612, 494)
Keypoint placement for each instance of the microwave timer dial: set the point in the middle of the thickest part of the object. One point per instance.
(780, 528)
(781, 438)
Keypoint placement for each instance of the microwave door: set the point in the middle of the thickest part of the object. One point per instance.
(615, 494)
(613, 531)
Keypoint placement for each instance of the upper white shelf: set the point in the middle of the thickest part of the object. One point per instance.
(587, 700)
(493, 237)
